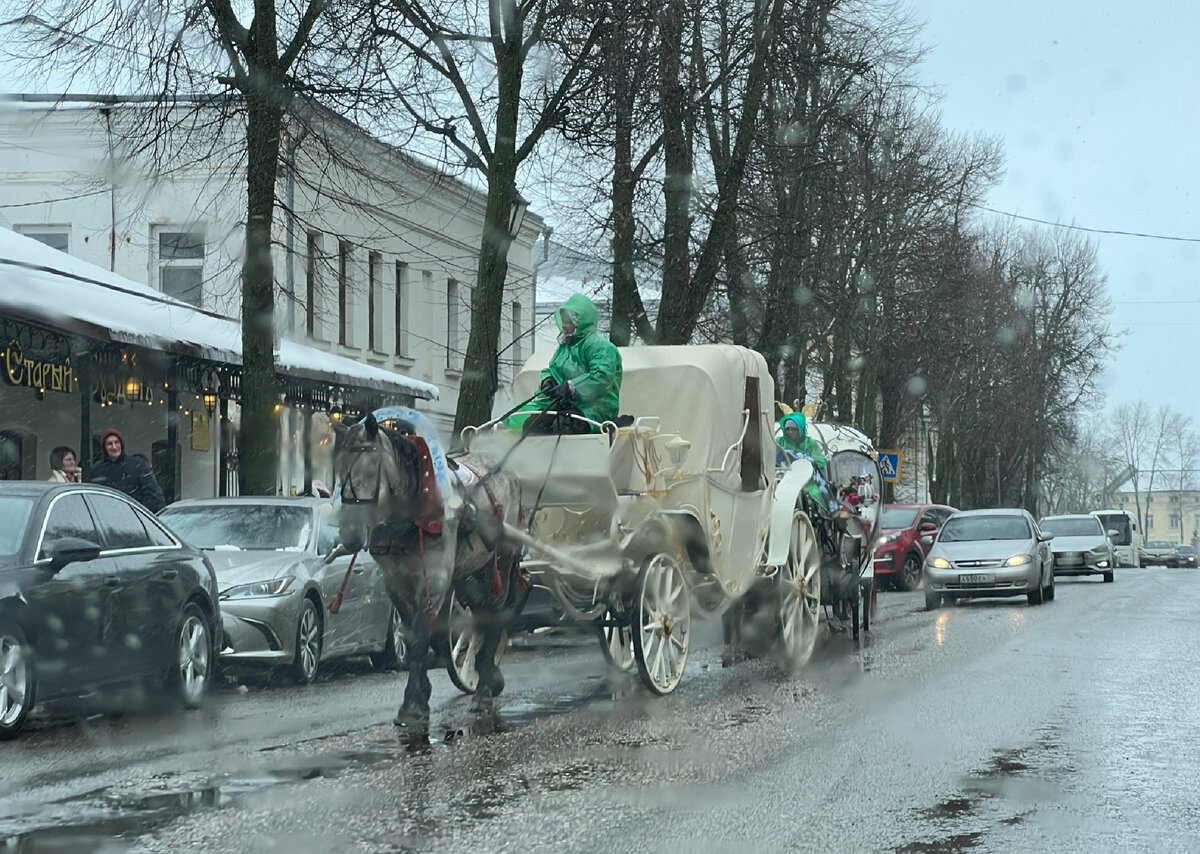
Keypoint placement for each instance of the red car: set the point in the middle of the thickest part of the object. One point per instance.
(908, 531)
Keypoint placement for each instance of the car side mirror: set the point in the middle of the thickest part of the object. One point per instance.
(927, 540)
(1112, 535)
(1043, 537)
(71, 550)
(928, 526)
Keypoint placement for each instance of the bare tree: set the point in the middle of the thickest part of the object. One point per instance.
(243, 64)
(452, 63)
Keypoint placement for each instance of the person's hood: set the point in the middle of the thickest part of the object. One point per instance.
(583, 309)
(246, 567)
(111, 431)
(794, 418)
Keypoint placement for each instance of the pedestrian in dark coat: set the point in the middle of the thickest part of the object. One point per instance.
(129, 474)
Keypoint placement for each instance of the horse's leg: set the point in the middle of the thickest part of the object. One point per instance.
(414, 710)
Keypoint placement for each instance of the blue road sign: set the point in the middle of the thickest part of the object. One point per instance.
(889, 465)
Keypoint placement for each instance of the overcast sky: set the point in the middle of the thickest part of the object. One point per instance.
(1096, 103)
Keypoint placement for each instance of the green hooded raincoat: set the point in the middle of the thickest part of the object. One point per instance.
(589, 361)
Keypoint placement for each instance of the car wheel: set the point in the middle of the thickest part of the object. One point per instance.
(193, 665)
(932, 600)
(308, 643)
(395, 653)
(1037, 596)
(1108, 576)
(1049, 594)
(18, 679)
(910, 572)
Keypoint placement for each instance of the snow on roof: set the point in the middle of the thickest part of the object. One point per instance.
(58, 289)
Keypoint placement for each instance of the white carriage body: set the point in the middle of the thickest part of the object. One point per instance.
(600, 500)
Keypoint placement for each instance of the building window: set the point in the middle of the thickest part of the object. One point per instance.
(374, 301)
(1173, 521)
(516, 337)
(312, 280)
(55, 236)
(1149, 522)
(343, 293)
(180, 264)
(401, 308)
(452, 320)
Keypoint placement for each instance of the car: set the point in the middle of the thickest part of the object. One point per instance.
(908, 531)
(276, 588)
(999, 552)
(1185, 556)
(1159, 553)
(1080, 546)
(96, 591)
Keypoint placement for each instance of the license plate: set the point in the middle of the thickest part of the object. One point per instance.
(977, 578)
(1070, 560)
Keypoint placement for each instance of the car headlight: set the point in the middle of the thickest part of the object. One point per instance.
(940, 563)
(259, 589)
(1019, 560)
(890, 538)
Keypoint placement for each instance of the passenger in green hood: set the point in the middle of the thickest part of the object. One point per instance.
(583, 377)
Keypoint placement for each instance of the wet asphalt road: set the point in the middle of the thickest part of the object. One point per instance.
(993, 726)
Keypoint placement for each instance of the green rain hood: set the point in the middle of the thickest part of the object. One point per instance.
(589, 361)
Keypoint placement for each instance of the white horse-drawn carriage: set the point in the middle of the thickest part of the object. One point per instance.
(673, 511)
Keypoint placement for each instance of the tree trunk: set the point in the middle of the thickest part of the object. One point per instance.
(480, 377)
(258, 439)
(627, 304)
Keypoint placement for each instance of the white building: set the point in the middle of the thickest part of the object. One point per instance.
(375, 252)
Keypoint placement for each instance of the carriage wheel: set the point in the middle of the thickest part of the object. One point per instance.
(799, 595)
(662, 621)
(464, 643)
(616, 642)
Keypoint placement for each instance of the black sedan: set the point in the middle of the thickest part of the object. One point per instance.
(94, 591)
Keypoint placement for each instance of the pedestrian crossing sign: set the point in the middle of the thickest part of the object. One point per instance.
(889, 465)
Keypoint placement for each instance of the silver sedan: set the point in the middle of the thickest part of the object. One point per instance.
(276, 589)
(989, 553)
(1081, 546)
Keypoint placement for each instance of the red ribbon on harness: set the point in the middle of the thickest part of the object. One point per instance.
(429, 501)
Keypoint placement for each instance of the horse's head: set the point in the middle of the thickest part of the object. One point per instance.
(380, 480)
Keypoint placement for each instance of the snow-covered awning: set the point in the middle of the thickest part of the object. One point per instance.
(63, 292)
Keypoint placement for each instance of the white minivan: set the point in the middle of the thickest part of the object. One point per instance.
(1127, 544)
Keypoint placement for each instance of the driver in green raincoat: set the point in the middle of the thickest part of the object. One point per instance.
(583, 377)
(795, 443)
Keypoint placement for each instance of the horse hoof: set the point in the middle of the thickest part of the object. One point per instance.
(412, 720)
(482, 703)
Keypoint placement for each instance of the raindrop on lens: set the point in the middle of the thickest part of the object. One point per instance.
(916, 386)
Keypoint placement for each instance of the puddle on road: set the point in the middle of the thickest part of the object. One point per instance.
(105, 821)
(946, 845)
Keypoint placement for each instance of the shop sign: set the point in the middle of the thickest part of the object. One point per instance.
(43, 375)
(108, 389)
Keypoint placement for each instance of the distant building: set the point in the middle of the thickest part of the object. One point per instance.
(1170, 514)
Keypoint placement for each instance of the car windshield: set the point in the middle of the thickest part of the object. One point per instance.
(1160, 544)
(1120, 524)
(240, 526)
(965, 528)
(1089, 527)
(898, 517)
(1186, 550)
(14, 516)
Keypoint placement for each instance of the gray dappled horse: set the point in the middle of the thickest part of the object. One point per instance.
(387, 508)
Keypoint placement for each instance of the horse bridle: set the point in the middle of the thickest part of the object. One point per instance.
(359, 493)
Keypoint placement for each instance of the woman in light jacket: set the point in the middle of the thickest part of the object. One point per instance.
(63, 466)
